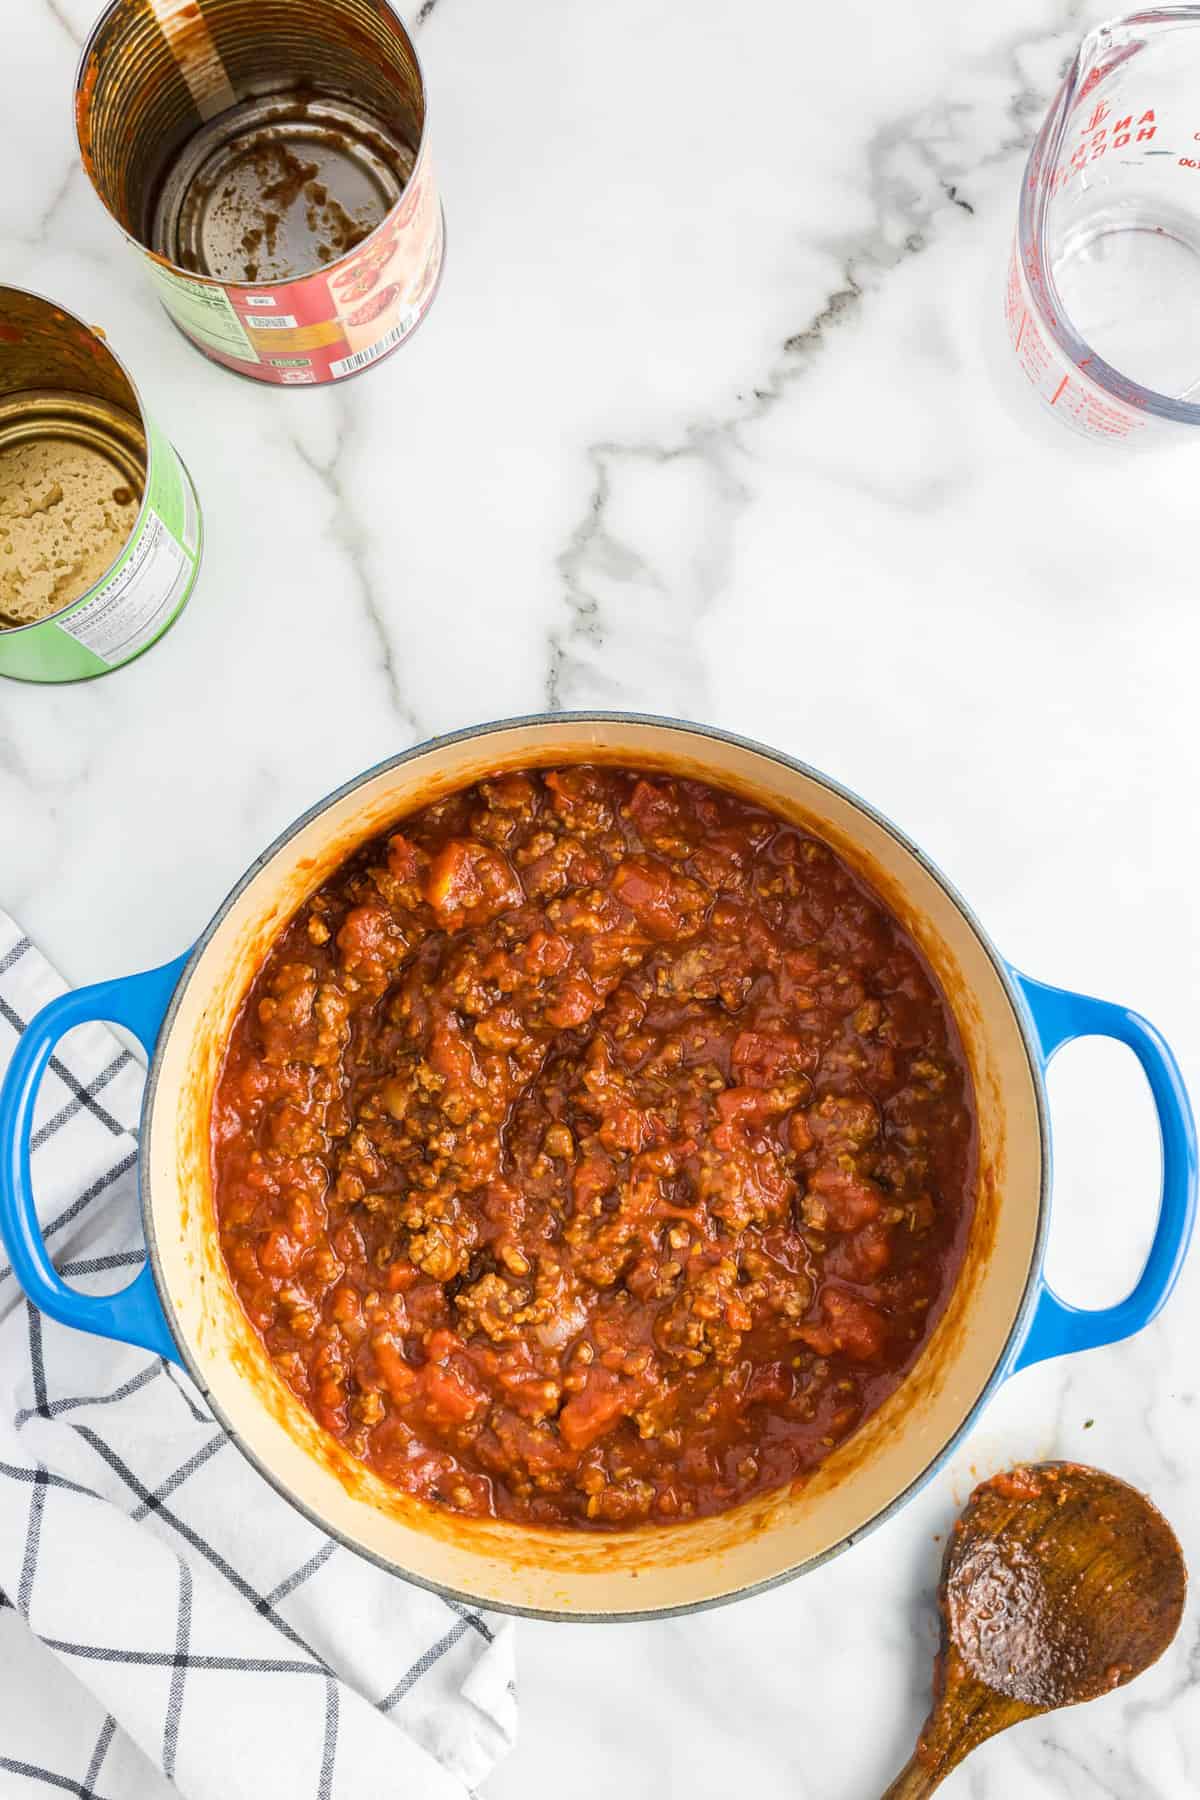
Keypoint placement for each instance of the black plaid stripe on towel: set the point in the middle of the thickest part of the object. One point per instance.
(164, 1616)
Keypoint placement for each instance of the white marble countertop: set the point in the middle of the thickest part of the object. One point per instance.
(713, 409)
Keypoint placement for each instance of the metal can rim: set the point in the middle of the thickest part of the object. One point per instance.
(210, 280)
(13, 631)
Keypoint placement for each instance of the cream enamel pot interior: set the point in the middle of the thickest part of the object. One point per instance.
(1001, 1316)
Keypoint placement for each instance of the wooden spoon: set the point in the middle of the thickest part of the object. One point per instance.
(1058, 1584)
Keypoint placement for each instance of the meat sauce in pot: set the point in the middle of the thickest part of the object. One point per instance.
(593, 1149)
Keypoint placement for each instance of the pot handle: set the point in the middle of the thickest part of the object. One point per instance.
(1060, 1016)
(135, 1315)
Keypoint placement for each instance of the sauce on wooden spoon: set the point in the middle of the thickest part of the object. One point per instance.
(1059, 1583)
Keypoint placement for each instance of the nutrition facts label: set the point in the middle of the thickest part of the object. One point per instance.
(140, 600)
(205, 312)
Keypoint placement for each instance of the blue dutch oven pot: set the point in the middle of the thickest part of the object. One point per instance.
(1003, 1316)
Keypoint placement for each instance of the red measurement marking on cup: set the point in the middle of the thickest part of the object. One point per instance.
(1042, 364)
(1099, 136)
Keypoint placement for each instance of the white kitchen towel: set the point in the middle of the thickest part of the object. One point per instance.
(165, 1618)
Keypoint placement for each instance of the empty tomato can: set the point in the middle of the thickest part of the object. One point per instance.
(100, 529)
(270, 161)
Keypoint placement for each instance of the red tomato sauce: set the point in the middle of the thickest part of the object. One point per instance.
(593, 1149)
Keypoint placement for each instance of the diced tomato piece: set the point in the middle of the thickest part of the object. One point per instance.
(623, 1127)
(511, 793)
(450, 1053)
(839, 1201)
(256, 1082)
(772, 1382)
(660, 902)
(746, 1105)
(527, 1388)
(854, 1326)
(653, 808)
(581, 797)
(862, 1256)
(442, 1344)
(593, 1176)
(454, 887)
(664, 1159)
(523, 1444)
(347, 1241)
(397, 1376)
(469, 880)
(279, 1253)
(545, 954)
(370, 946)
(574, 1003)
(596, 1409)
(345, 1307)
(799, 1136)
(450, 1394)
(402, 858)
(761, 1057)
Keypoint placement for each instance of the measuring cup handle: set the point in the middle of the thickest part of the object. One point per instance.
(1059, 1017)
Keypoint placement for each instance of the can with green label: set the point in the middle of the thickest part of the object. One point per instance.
(100, 528)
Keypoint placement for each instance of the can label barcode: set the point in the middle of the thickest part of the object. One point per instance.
(141, 599)
(349, 365)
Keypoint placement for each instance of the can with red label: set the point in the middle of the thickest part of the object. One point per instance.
(270, 160)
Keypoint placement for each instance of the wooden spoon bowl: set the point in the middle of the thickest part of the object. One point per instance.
(1059, 1583)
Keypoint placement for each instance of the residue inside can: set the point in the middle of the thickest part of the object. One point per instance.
(100, 528)
(277, 188)
(250, 141)
(72, 475)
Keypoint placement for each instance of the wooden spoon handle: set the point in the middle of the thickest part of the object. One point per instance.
(915, 1780)
(965, 1714)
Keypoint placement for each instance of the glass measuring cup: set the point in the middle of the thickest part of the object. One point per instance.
(1103, 296)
